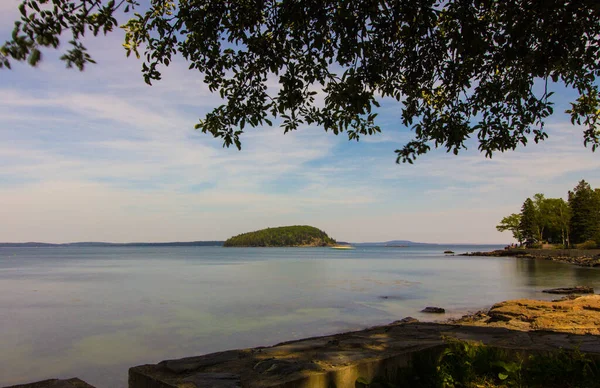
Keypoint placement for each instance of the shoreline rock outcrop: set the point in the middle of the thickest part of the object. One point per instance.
(579, 315)
(580, 257)
(522, 325)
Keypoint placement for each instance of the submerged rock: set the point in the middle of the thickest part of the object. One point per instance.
(433, 310)
(570, 290)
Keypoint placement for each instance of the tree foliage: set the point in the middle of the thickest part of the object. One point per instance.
(511, 223)
(528, 224)
(554, 220)
(585, 208)
(459, 68)
(558, 217)
(285, 236)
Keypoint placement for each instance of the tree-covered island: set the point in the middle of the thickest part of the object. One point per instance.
(284, 236)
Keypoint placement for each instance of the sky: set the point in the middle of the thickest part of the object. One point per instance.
(101, 156)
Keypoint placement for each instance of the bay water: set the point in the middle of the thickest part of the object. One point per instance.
(95, 312)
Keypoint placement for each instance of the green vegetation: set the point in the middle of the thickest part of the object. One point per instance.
(572, 223)
(459, 69)
(585, 218)
(512, 223)
(285, 236)
(469, 364)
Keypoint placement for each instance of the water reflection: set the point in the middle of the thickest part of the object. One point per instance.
(94, 312)
(539, 274)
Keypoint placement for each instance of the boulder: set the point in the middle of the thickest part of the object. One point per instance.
(433, 310)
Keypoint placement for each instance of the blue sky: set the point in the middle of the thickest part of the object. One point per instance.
(101, 156)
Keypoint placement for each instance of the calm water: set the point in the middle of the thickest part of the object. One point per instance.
(94, 312)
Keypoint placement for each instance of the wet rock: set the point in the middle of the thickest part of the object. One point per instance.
(433, 310)
(212, 380)
(449, 252)
(405, 321)
(55, 383)
(189, 364)
(570, 290)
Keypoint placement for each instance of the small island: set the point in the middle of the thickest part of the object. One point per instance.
(284, 236)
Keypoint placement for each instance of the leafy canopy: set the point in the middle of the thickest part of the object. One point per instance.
(511, 223)
(458, 68)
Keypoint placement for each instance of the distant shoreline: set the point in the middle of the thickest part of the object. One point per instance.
(120, 245)
(215, 243)
(580, 257)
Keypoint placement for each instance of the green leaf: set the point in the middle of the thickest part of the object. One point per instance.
(34, 57)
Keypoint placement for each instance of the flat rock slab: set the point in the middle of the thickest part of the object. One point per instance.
(576, 316)
(570, 290)
(339, 360)
(55, 383)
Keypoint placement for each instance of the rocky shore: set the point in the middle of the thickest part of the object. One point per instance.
(580, 257)
(570, 314)
(341, 360)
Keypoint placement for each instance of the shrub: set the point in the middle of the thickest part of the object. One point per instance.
(589, 244)
(473, 364)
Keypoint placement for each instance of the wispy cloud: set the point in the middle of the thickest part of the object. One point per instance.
(99, 155)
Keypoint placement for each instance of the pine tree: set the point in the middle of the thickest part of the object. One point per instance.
(585, 213)
(528, 226)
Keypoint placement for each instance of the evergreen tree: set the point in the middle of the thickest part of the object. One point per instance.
(585, 213)
(528, 225)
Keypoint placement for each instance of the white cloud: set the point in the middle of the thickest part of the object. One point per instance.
(99, 155)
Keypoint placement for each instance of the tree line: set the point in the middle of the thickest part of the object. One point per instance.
(571, 223)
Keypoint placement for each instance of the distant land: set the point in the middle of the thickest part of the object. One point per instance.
(283, 236)
(108, 244)
(391, 244)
